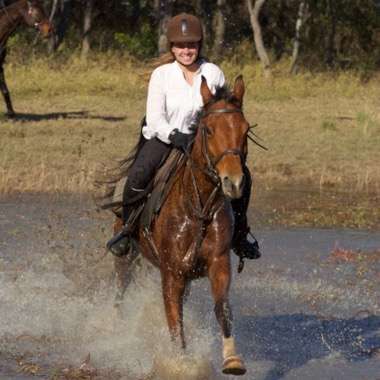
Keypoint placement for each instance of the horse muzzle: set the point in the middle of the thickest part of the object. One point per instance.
(45, 28)
(232, 186)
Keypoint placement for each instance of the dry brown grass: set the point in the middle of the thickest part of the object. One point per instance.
(322, 130)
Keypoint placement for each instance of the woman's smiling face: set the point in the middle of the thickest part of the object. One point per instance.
(186, 53)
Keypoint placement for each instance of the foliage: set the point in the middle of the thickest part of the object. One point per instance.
(336, 34)
(142, 44)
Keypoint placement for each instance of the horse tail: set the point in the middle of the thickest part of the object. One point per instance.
(108, 178)
(125, 163)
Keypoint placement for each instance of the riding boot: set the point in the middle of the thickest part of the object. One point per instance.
(148, 158)
(119, 244)
(244, 244)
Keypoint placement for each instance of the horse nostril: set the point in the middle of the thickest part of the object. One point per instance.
(227, 183)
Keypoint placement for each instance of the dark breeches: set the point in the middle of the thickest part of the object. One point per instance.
(150, 157)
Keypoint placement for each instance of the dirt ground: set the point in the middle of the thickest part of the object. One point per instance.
(308, 309)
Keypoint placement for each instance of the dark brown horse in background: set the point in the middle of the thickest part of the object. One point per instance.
(12, 14)
(191, 236)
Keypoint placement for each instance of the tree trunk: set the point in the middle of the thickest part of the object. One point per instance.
(136, 13)
(60, 16)
(219, 28)
(297, 42)
(53, 37)
(330, 49)
(202, 9)
(164, 12)
(87, 23)
(260, 48)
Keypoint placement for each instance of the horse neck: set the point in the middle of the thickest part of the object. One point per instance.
(10, 18)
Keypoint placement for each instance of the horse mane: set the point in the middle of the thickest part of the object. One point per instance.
(221, 93)
(107, 180)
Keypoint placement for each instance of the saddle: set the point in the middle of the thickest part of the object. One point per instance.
(147, 208)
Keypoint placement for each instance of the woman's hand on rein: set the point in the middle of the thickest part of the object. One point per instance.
(180, 140)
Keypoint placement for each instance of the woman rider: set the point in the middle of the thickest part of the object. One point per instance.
(173, 101)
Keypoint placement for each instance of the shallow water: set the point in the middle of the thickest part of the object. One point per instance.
(300, 312)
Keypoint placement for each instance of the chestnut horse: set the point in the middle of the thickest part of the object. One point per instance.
(11, 16)
(191, 236)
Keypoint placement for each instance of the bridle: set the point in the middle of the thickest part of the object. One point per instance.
(36, 25)
(204, 211)
(213, 161)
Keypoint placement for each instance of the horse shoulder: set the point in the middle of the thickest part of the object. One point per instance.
(220, 231)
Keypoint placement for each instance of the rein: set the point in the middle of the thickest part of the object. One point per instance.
(205, 212)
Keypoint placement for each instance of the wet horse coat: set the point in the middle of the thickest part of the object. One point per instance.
(192, 235)
(12, 14)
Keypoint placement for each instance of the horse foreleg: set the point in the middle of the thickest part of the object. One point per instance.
(5, 92)
(220, 278)
(173, 289)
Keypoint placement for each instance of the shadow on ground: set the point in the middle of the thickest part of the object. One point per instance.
(62, 115)
(292, 340)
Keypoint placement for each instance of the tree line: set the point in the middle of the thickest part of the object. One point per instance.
(311, 33)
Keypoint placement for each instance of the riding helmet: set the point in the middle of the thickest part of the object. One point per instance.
(184, 28)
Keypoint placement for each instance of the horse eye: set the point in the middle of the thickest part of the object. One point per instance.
(209, 131)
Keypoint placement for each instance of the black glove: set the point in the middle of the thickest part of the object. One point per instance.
(180, 140)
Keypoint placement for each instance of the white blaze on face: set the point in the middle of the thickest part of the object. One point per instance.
(231, 176)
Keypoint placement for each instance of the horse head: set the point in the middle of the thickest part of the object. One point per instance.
(35, 16)
(223, 130)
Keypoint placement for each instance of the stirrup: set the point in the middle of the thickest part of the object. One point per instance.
(248, 247)
(120, 243)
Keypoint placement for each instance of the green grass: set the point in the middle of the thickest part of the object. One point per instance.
(322, 130)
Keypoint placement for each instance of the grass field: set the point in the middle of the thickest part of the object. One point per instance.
(322, 130)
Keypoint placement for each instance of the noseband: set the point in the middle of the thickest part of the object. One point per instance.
(213, 161)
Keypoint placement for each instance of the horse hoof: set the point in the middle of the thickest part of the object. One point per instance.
(233, 365)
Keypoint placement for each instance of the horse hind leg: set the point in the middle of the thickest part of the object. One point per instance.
(220, 275)
(122, 267)
(6, 95)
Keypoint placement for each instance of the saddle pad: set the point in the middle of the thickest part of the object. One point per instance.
(163, 182)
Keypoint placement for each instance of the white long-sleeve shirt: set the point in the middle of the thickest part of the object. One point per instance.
(172, 102)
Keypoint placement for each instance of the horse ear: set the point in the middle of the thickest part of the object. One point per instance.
(239, 89)
(205, 91)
